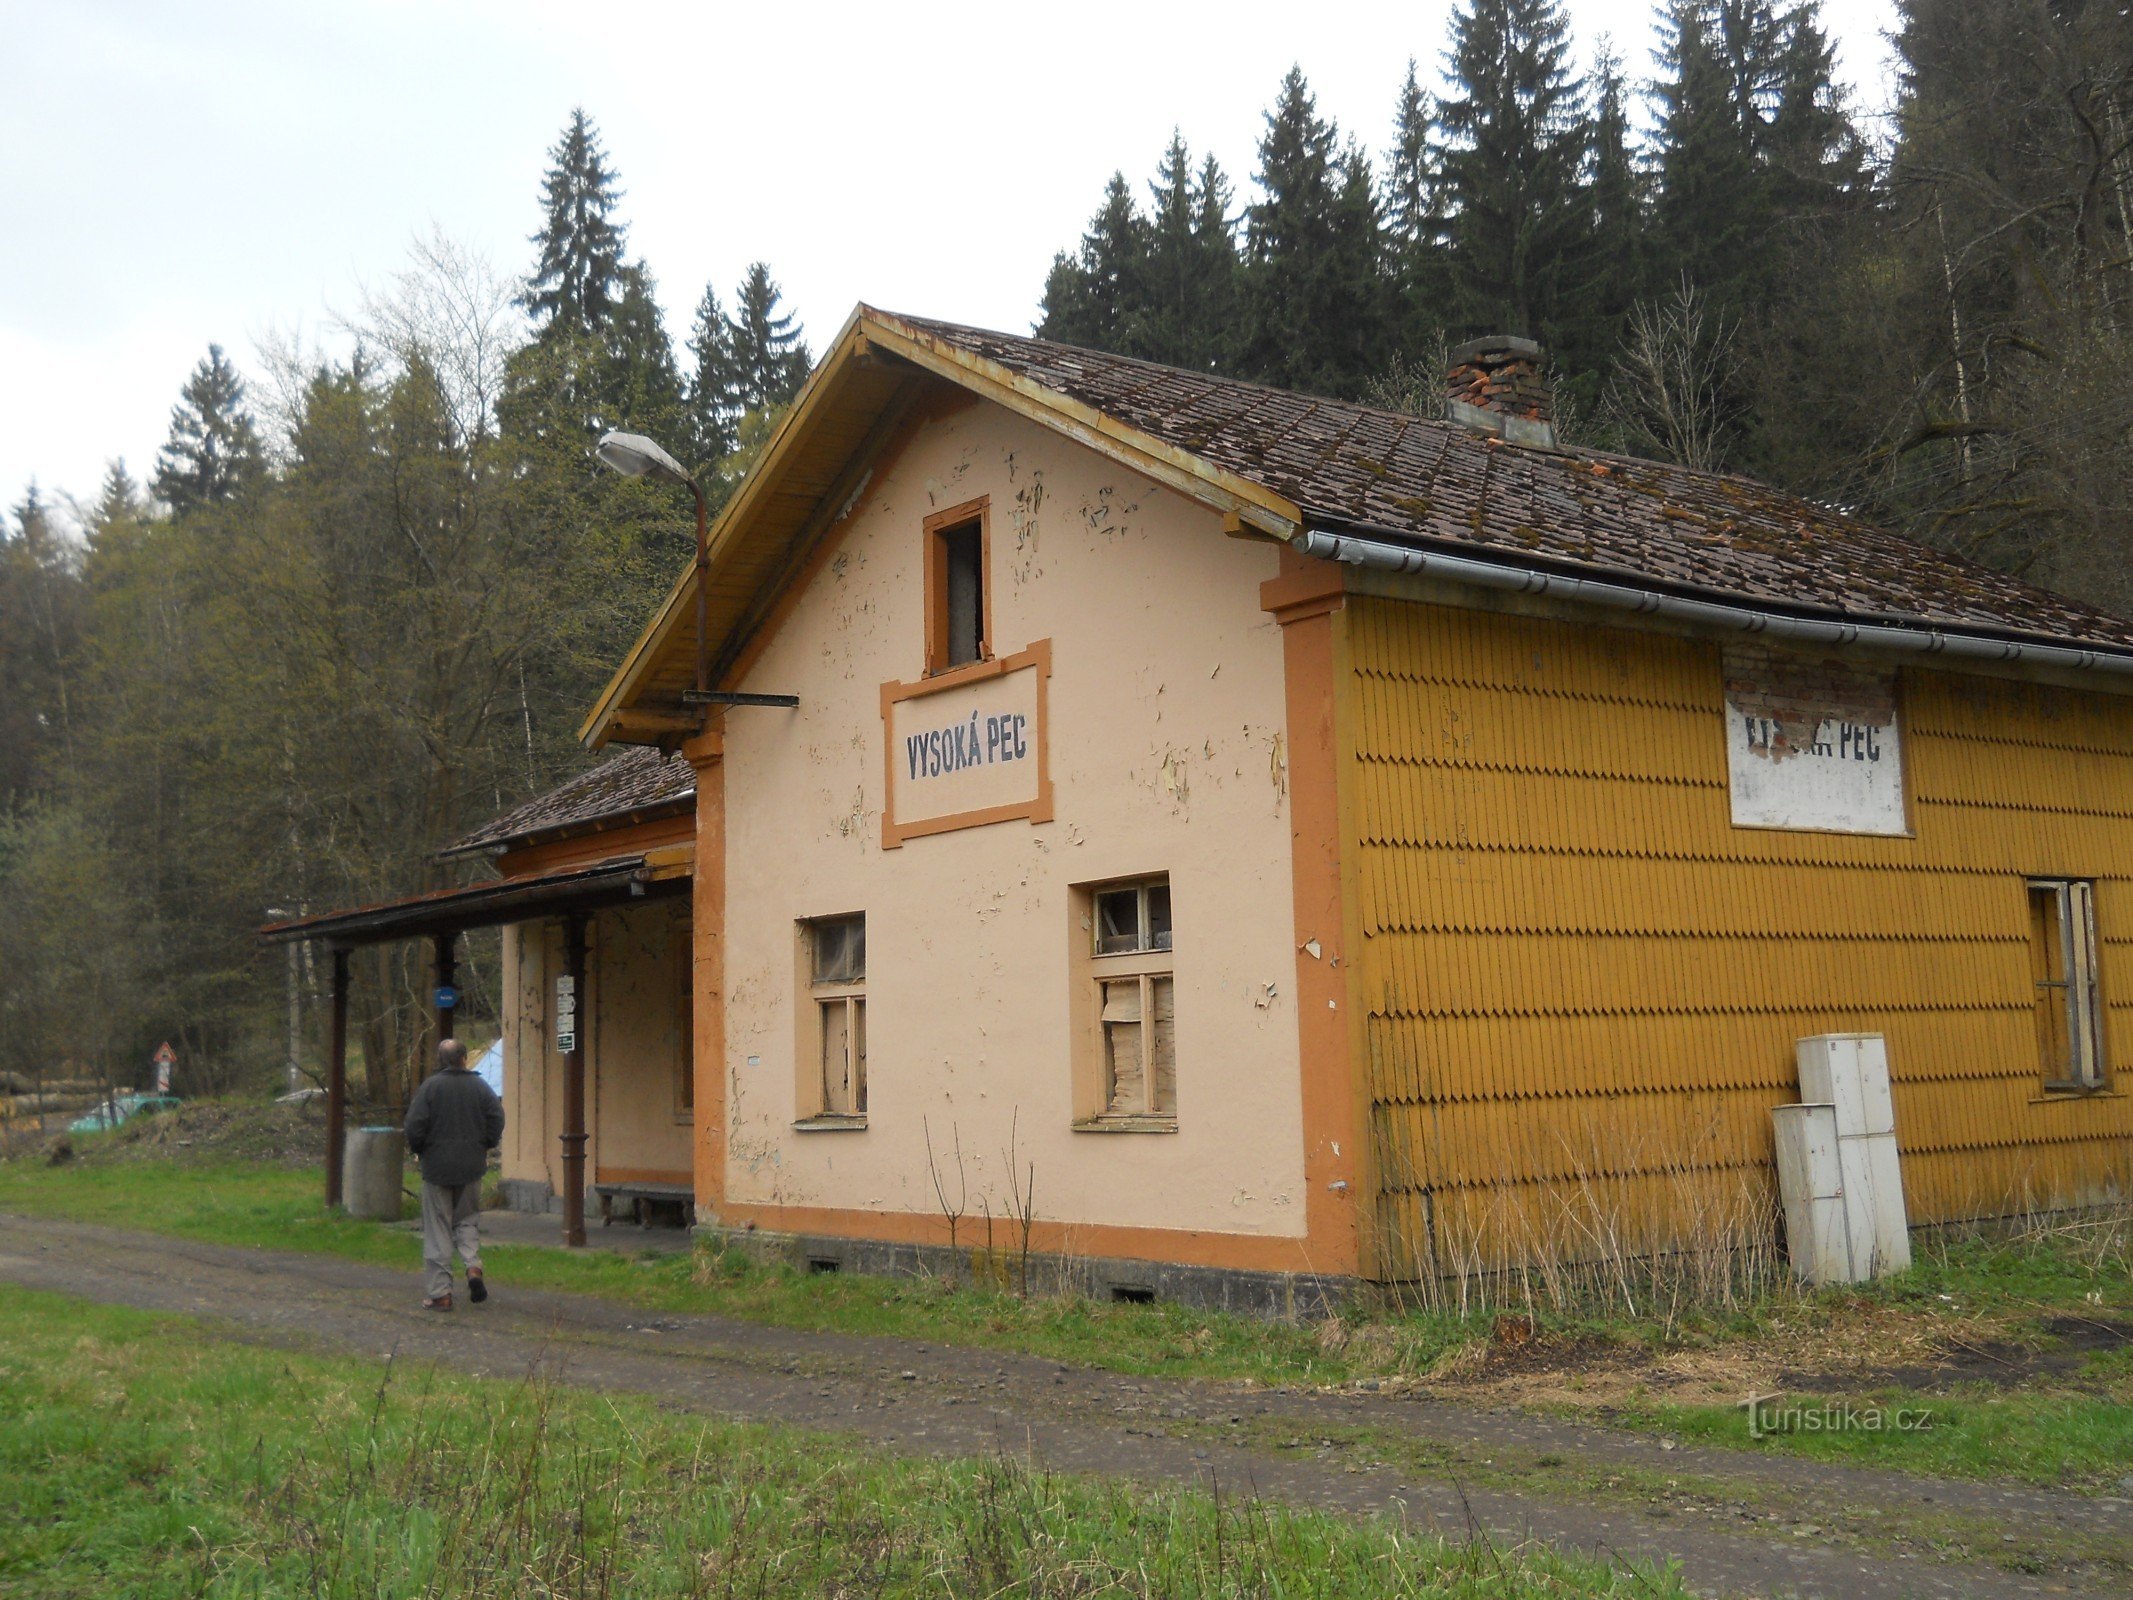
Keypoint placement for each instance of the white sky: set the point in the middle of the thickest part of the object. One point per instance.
(174, 174)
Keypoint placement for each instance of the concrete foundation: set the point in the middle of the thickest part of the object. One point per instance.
(1287, 1295)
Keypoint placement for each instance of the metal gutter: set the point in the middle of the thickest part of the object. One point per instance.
(1385, 555)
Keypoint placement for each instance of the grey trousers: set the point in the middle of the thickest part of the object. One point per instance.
(450, 1221)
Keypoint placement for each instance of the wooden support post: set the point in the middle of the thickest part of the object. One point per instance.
(337, 1079)
(574, 1087)
(446, 970)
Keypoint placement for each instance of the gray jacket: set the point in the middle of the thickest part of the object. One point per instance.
(453, 1123)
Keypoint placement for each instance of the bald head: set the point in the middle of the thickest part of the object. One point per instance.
(451, 1055)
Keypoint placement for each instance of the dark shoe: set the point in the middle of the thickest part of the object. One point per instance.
(477, 1288)
(442, 1302)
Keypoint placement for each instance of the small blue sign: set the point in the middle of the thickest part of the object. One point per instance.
(447, 997)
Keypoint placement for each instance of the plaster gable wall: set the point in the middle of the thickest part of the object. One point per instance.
(1167, 753)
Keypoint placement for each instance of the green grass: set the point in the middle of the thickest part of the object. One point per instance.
(2073, 1428)
(281, 1210)
(140, 1457)
(2050, 1439)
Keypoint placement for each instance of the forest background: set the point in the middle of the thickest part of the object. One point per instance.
(359, 605)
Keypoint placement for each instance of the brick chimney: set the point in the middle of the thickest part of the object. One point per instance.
(1496, 386)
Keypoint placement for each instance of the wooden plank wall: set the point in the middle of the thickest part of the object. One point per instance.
(1583, 985)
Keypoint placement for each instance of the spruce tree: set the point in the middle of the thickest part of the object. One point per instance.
(1313, 284)
(1713, 203)
(641, 388)
(1218, 282)
(1617, 204)
(1414, 227)
(118, 500)
(1098, 297)
(579, 274)
(1189, 271)
(213, 450)
(711, 381)
(1511, 143)
(769, 354)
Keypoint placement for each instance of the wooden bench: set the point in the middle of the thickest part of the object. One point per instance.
(642, 1197)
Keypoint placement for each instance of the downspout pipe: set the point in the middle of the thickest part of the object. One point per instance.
(1358, 548)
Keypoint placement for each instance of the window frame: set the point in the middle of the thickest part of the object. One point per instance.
(937, 622)
(2071, 1049)
(1151, 963)
(813, 995)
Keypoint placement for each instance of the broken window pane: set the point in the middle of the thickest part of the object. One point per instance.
(1158, 916)
(840, 950)
(1118, 922)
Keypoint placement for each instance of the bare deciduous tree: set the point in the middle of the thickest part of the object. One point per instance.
(1678, 365)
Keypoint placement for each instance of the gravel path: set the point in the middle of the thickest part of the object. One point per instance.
(1735, 1522)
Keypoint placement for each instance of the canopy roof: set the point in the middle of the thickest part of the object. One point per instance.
(616, 881)
(634, 784)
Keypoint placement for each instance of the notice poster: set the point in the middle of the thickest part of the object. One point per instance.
(1813, 744)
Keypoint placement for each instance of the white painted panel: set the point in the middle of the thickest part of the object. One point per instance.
(1817, 1233)
(1878, 1109)
(1829, 1074)
(1850, 1071)
(1892, 1229)
(1812, 744)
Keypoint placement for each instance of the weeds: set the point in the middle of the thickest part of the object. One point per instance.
(291, 1475)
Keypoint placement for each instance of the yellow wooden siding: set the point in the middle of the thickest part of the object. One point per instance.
(1582, 984)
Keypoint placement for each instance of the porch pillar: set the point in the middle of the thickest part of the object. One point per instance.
(447, 969)
(574, 1086)
(337, 1078)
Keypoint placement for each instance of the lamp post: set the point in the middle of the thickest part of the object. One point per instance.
(635, 456)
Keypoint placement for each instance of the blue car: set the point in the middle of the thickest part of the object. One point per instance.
(122, 1108)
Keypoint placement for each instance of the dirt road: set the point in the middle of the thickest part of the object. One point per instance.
(1736, 1522)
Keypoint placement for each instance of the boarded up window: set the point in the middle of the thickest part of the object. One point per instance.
(837, 953)
(2062, 962)
(1136, 1077)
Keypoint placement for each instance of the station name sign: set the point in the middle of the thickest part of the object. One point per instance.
(1813, 744)
(967, 748)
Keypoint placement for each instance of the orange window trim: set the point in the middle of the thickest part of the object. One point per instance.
(936, 573)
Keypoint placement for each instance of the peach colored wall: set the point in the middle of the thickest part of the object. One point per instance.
(633, 1051)
(1167, 755)
(633, 1086)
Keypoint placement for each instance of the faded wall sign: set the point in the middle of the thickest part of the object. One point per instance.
(1813, 744)
(967, 748)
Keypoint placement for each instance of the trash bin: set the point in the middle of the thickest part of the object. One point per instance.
(373, 1160)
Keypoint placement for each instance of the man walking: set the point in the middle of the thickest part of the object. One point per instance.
(453, 1123)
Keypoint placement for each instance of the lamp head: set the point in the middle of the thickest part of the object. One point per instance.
(635, 456)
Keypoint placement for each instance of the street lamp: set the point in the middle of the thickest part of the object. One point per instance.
(635, 456)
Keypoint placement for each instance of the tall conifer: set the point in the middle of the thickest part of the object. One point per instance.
(213, 450)
(1511, 144)
(769, 354)
(579, 274)
(1313, 261)
(1098, 296)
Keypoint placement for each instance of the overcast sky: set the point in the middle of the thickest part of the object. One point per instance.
(172, 174)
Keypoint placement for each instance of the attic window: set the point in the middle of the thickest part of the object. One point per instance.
(958, 606)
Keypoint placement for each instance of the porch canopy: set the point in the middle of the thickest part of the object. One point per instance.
(572, 893)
